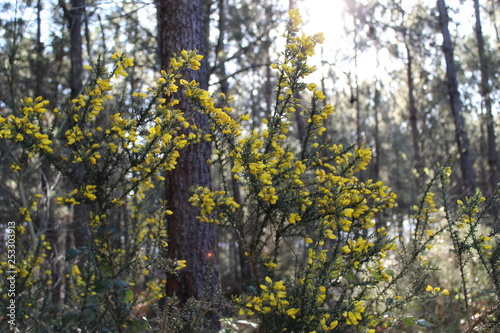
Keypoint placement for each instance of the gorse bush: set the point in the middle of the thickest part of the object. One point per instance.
(309, 227)
(305, 199)
(307, 193)
(108, 160)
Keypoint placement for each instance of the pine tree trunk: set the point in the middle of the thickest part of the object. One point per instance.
(485, 93)
(182, 25)
(493, 19)
(39, 71)
(74, 16)
(220, 48)
(461, 138)
(412, 108)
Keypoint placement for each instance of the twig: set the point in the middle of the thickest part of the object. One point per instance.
(481, 318)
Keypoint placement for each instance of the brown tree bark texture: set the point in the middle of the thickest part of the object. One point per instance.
(74, 17)
(181, 25)
(455, 102)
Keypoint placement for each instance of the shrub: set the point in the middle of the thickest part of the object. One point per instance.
(306, 221)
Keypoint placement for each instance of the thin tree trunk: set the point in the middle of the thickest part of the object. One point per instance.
(74, 17)
(380, 221)
(355, 91)
(491, 13)
(181, 25)
(268, 84)
(412, 108)
(461, 138)
(39, 51)
(376, 136)
(220, 51)
(483, 173)
(485, 93)
(354, 99)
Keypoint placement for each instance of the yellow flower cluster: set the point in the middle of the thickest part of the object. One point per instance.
(291, 70)
(208, 200)
(188, 59)
(121, 62)
(87, 192)
(484, 240)
(30, 265)
(27, 129)
(27, 211)
(96, 219)
(155, 290)
(434, 290)
(180, 264)
(469, 210)
(272, 298)
(69, 199)
(80, 284)
(353, 317)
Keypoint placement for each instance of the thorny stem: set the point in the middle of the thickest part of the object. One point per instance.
(457, 248)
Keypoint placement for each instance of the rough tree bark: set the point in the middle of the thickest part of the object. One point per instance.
(461, 138)
(74, 17)
(182, 25)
